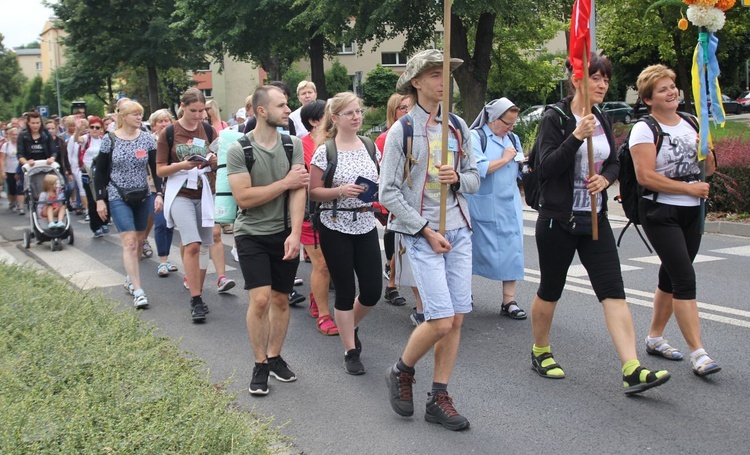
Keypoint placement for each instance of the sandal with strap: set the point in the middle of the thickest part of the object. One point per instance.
(663, 349)
(326, 326)
(536, 364)
(706, 368)
(313, 311)
(162, 269)
(393, 297)
(515, 314)
(634, 384)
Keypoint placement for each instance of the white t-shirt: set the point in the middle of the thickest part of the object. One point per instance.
(92, 151)
(677, 157)
(73, 148)
(11, 157)
(581, 197)
(299, 128)
(350, 165)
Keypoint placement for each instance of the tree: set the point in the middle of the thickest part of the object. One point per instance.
(31, 96)
(379, 86)
(11, 80)
(337, 78)
(129, 33)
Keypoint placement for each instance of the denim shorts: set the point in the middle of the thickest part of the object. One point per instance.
(129, 218)
(444, 280)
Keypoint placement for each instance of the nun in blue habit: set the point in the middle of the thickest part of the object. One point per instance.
(496, 213)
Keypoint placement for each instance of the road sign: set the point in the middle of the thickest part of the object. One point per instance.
(43, 110)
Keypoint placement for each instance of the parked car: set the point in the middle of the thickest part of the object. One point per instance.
(639, 109)
(532, 114)
(731, 106)
(618, 111)
(744, 100)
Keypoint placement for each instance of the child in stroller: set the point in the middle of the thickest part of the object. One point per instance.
(46, 201)
(50, 203)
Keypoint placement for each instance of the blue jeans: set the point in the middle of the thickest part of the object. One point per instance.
(443, 280)
(162, 234)
(129, 218)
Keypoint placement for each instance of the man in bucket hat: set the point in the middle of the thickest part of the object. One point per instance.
(410, 189)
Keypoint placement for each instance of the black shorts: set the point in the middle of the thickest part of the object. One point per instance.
(261, 262)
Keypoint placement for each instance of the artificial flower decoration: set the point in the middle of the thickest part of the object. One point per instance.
(706, 16)
(705, 2)
(725, 4)
(682, 24)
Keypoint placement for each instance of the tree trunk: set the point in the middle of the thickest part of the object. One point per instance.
(316, 53)
(272, 67)
(153, 88)
(472, 75)
(110, 94)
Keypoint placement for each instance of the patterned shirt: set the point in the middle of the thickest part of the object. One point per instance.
(129, 162)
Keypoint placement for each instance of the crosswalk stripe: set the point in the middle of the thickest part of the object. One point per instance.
(81, 269)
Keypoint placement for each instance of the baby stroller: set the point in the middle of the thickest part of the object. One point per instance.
(33, 186)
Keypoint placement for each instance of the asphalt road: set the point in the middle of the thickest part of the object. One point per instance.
(511, 409)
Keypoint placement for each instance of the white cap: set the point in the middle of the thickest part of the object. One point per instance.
(241, 113)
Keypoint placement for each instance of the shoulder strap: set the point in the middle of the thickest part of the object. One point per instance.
(247, 150)
(286, 140)
(170, 138)
(332, 156)
(690, 119)
(407, 126)
(209, 131)
(658, 133)
(482, 138)
(453, 119)
(370, 146)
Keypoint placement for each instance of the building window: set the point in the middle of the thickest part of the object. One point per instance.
(345, 48)
(393, 58)
(207, 92)
(38, 66)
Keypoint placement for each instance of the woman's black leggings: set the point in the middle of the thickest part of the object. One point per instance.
(675, 233)
(347, 254)
(556, 249)
(389, 243)
(95, 223)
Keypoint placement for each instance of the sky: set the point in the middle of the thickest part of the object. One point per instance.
(21, 21)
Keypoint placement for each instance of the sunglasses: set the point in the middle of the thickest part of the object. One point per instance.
(96, 127)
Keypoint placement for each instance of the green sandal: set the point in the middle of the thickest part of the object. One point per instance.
(536, 364)
(633, 383)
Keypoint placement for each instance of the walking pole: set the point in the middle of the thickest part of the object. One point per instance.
(589, 142)
(446, 105)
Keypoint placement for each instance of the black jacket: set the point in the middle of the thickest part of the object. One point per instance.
(25, 142)
(558, 149)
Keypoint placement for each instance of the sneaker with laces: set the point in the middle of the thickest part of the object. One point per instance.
(440, 410)
(105, 229)
(224, 284)
(298, 281)
(98, 233)
(128, 285)
(279, 369)
(352, 364)
(259, 383)
(87, 217)
(140, 301)
(197, 310)
(400, 391)
(416, 318)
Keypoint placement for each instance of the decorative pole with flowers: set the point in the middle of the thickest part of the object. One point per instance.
(709, 16)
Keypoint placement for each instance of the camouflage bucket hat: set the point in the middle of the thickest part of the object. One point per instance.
(418, 64)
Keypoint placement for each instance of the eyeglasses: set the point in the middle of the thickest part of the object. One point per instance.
(509, 125)
(96, 127)
(403, 107)
(352, 114)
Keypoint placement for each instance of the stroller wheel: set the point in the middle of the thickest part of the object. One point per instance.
(55, 245)
(70, 236)
(26, 238)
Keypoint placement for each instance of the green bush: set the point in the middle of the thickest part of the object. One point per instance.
(730, 190)
(379, 86)
(78, 376)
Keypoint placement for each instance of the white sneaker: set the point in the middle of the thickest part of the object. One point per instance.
(298, 281)
(234, 255)
(225, 284)
(140, 301)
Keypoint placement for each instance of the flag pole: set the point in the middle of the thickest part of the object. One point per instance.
(589, 142)
(445, 106)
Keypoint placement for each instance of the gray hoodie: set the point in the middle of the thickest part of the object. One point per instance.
(404, 201)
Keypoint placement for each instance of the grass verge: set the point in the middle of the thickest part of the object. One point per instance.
(78, 376)
(731, 129)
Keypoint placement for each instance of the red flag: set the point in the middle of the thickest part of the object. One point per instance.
(580, 35)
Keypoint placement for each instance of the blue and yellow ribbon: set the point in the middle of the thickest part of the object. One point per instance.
(706, 71)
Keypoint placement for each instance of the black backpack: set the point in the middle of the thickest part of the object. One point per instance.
(332, 155)
(483, 138)
(530, 176)
(630, 190)
(247, 149)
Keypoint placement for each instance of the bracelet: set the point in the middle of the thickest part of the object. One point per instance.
(341, 190)
(160, 194)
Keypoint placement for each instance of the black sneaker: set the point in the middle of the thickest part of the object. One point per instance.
(259, 384)
(280, 370)
(393, 297)
(440, 410)
(197, 310)
(352, 364)
(399, 391)
(295, 298)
